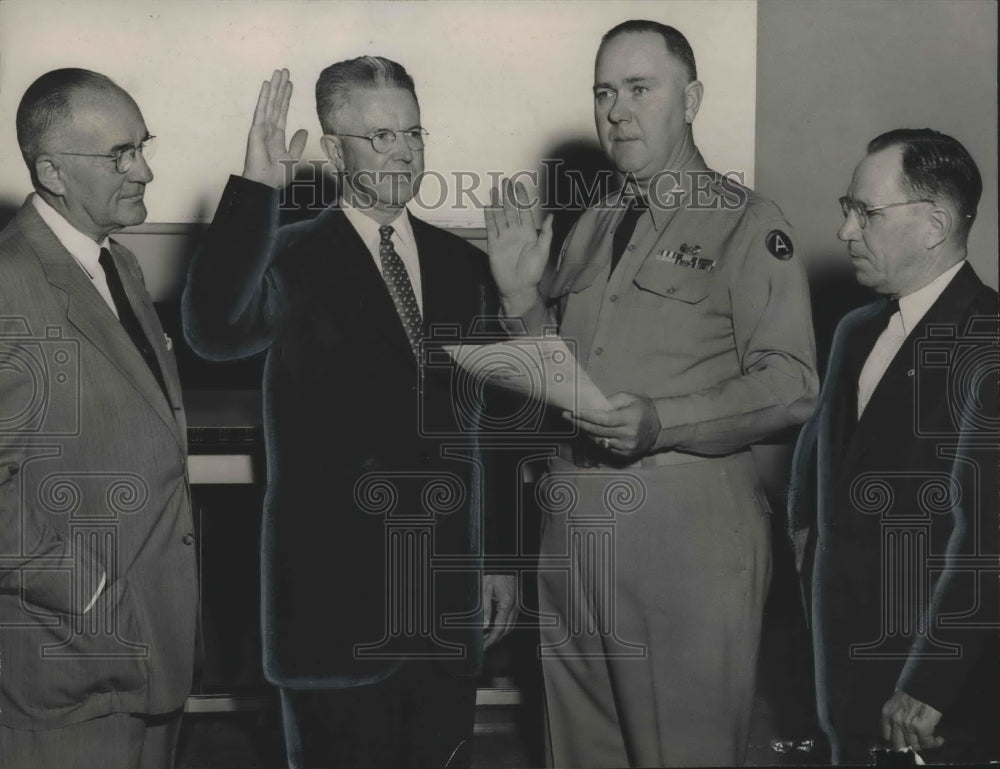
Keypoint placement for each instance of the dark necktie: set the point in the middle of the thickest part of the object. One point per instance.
(871, 331)
(861, 348)
(400, 289)
(882, 345)
(625, 230)
(127, 317)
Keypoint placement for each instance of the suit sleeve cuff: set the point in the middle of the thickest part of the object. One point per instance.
(247, 193)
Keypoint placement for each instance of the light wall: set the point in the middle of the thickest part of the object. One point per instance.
(500, 83)
(833, 75)
(794, 90)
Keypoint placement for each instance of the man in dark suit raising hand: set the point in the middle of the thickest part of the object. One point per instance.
(374, 648)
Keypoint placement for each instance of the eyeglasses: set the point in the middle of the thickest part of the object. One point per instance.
(124, 158)
(861, 211)
(384, 139)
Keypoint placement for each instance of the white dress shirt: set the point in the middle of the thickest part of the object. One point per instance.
(912, 309)
(82, 248)
(402, 240)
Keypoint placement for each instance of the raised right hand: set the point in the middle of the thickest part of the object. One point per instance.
(268, 161)
(518, 252)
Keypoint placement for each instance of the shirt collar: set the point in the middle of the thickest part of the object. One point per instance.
(675, 187)
(368, 228)
(913, 307)
(82, 248)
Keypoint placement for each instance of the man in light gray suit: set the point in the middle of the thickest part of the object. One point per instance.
(98, 592)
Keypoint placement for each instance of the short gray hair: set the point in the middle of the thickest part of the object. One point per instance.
(45, 107)
(335, 83)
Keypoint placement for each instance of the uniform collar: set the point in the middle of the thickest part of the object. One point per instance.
(675, 187)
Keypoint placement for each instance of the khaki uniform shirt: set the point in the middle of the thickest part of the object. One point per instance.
(707, 313)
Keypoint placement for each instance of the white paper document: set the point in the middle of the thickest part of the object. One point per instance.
(542, 368)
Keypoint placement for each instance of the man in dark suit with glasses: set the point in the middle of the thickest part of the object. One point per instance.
(374, 650)
(895, 477)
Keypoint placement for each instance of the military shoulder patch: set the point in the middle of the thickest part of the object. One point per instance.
(779, 244)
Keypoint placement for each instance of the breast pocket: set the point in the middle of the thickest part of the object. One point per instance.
(672, 287)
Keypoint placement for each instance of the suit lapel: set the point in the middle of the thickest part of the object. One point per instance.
(846, 359)
(87, 311)
(892, 399)
(356, 280)
(146, 315)
(436, 285)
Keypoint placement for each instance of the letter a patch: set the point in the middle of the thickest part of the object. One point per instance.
(779, 244)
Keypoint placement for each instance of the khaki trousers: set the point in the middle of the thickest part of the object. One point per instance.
(652, 589)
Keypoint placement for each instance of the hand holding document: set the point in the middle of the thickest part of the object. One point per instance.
(542, 368)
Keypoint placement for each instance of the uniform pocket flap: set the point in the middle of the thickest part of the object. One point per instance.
(573, 284)
(674, 282)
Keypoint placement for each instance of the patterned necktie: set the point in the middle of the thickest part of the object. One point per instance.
(625, 230)
(400, 289)
(128, 318)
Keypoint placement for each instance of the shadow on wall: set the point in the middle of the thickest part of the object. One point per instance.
(7, 210)
(574, 175)
(834, 292)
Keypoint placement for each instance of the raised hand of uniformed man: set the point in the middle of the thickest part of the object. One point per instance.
(518, 250)
(630, 428)
(268, 161)
(908, 722)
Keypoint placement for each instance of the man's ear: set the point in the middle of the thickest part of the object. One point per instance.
(693, 92)
(940, 225)
(49, 175)
(333, 150)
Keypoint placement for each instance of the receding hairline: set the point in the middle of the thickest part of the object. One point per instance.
(334, 111)
(678, 60)
(82, 97)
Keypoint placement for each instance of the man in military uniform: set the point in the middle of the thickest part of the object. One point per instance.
(689, 306)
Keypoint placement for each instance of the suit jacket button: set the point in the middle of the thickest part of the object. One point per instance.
(188, 539)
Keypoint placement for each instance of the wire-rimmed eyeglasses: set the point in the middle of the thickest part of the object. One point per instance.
(125, 157)
(861, 211)
(382, 141)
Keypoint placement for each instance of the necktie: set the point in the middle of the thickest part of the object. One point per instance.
(400, 289)
(884, 350)
(127, 317)
(625, 230)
